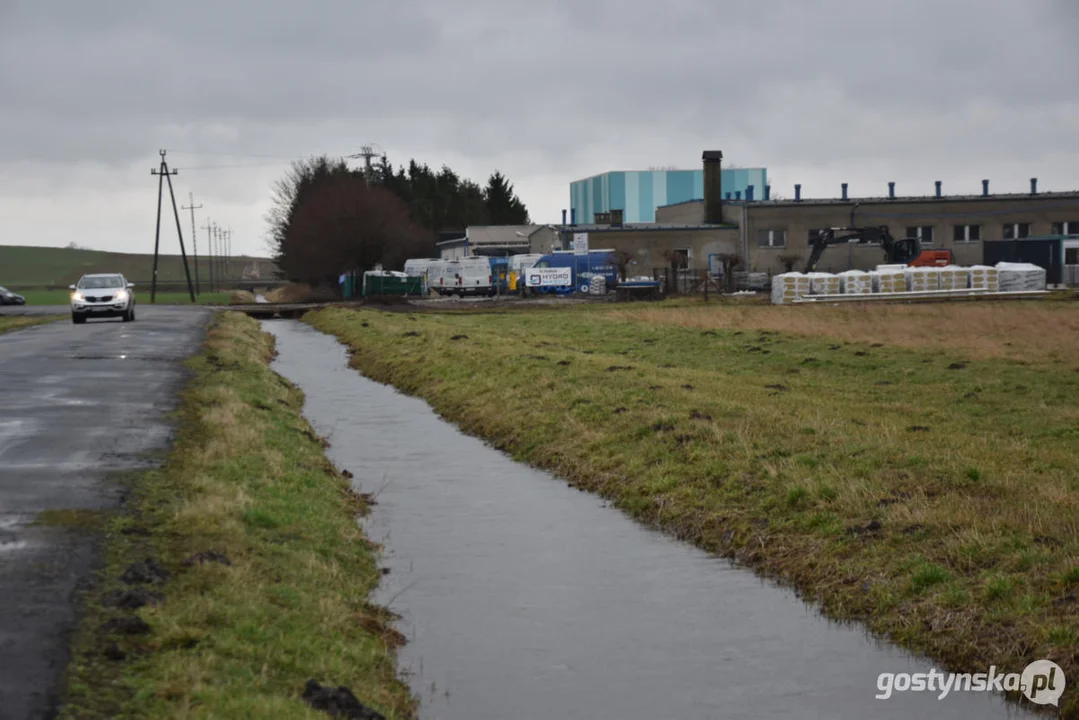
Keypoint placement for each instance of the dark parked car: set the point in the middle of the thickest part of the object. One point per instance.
(9, 298)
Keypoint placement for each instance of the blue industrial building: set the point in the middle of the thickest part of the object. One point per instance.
(639, 193)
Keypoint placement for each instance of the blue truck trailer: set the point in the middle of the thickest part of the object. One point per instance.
(584, 267)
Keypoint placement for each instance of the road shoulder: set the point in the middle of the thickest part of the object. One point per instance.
(236, 573)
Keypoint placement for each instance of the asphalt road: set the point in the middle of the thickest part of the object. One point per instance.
(77, 402)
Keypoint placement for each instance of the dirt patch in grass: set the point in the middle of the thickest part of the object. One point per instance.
(236, 573)
(915, 506)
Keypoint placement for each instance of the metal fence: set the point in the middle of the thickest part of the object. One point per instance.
(704, 282)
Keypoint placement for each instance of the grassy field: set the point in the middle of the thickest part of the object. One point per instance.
(246, 478)
(913, 467)
(9, 323)
(40, 267)
(142, 295)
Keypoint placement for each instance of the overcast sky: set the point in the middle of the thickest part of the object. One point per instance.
(818, 91)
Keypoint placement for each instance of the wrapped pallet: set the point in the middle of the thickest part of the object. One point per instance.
(788, 287)
(923, 279)
(954, 277)
(824, 284)
(888, 280)
(984, 277)
(855, 282)
(1020, 277)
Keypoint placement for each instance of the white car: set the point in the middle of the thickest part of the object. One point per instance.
(102, 295)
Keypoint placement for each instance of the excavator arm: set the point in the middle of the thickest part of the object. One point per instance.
(895, 251)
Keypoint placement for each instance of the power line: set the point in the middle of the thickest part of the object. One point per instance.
(241, 165)
(194, 237)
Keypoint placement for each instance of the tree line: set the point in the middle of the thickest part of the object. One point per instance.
(326, 218)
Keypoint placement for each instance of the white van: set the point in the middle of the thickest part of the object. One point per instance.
(464, 276)
(523, 262)
(417, 267)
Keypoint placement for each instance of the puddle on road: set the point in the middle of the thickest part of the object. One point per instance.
(523, 598)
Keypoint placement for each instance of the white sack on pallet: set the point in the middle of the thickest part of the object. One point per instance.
(1020, 277)
(788, 287)
(954, 277)
(888, 280)
(984, 277)
(824, 283)
(923, 279)
(855, 282)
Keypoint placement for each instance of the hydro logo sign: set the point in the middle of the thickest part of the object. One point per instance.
(549, 277)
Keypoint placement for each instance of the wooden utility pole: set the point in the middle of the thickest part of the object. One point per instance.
(163, 172)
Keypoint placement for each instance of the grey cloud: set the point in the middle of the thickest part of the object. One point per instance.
(912, 90)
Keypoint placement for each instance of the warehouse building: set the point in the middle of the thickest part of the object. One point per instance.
(772, 235)
(638, 193)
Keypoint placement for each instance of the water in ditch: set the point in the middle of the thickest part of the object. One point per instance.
(523, 598)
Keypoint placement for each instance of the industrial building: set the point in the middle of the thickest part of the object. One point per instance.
(638, 193)
(771, 235)
(498, 240)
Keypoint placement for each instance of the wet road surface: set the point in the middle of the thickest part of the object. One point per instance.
(76, 403)
(523, 598)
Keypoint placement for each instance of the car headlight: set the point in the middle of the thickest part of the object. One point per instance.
(120, 295)
(78, 296)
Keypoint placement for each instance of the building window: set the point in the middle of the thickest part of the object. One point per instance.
(968, 233)
(1071, 256)
(772, 238)
(680, 257)
(1015, 231)
(924, 233)
(1071, 227)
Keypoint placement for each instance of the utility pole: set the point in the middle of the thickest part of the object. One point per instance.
(217, 256)
(366, 152)
(194, 237)
(164, 173)
(228, 249)
(209, 243)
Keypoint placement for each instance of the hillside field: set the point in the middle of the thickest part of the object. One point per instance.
(28, 268)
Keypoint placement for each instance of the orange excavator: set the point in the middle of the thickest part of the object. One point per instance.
(907, 251)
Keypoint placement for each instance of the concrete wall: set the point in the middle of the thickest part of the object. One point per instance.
(543, 240)
(455, 252)
(687, 213)
(942, 215)
(648, 247)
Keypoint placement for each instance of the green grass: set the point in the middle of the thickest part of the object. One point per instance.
(63, 297)
(38, 267)
(17, 322)
(246, 477)
(930, 492)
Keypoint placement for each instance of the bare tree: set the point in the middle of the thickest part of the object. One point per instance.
(788, 260)
(621, 259)
(340, 223)
(729, 262)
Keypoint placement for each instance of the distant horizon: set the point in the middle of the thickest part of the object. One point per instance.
(121, 252)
